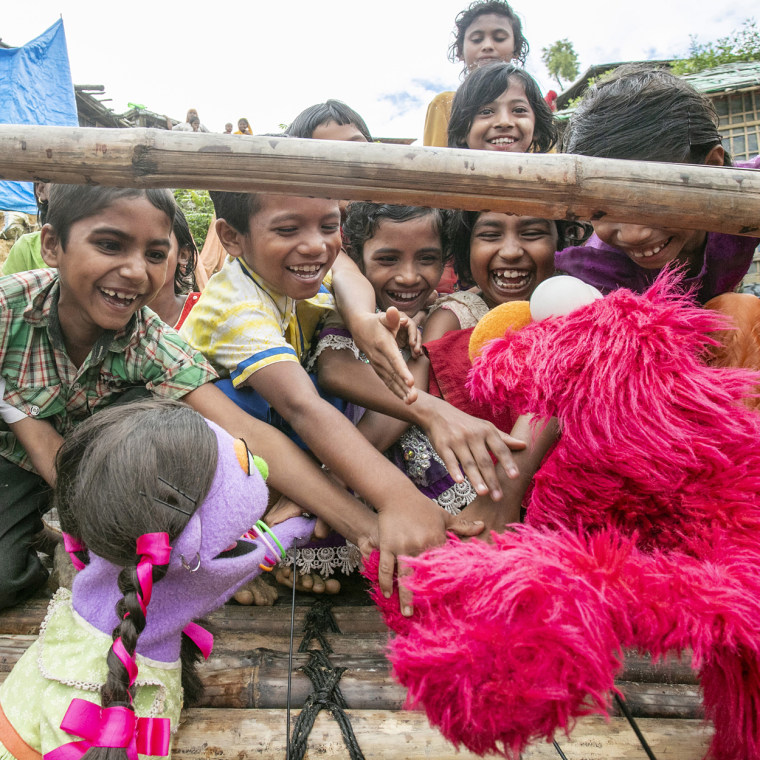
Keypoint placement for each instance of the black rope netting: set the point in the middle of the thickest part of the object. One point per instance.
(324, 677)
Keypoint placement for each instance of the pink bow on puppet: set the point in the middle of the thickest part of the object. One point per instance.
(111, 727)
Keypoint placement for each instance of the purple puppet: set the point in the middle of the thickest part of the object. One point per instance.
(153, 500)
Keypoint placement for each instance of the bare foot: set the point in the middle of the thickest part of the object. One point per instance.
(257, 592)
(312, 582)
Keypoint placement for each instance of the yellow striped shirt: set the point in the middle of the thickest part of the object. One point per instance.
(241, 324)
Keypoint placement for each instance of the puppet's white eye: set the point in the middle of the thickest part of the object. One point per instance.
(251, 463)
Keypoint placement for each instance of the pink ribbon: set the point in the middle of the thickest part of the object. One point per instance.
(111, 727)
(153, 549)
(202, 638)
(71, 545)
(128, 662)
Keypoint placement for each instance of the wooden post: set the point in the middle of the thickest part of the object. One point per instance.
(550, 186)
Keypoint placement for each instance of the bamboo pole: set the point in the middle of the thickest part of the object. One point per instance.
(551, 186)
(238, 676)
(384, 735)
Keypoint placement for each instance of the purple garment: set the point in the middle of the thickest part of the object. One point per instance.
(727, 259)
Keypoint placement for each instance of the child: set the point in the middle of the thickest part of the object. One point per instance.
(255, 322)
(331, 120)
(499, 107)
(25, 252)
(486, 31)
(645, 114)
(153, 500)
(506, 257)
(244, 128)
(400, 251)
(178, 295)
(77, 338)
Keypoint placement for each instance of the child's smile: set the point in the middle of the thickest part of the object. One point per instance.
(652, 248)
(404, 262)
(293, 243)
(510, 255)
(113, 264)
(506, 124)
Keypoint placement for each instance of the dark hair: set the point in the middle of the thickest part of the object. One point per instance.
(42, 206)
(645, 114)
(71, 203)
(481, 8)
(113, 472)
(236, 208)
(461, 224)
(484, 86)
(331, 110)
(184, 277)
(363, 219)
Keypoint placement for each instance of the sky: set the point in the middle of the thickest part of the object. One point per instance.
(267, 61)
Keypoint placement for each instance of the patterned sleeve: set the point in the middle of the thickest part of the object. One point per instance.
(333, 335)
(467, 307)
(237, 333)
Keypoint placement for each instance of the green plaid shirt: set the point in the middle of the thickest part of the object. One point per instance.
(41, 380)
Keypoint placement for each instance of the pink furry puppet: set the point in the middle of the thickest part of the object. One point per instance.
(643, 532)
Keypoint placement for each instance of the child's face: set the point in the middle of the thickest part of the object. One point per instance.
(488, 38)
(114, 263)
(404, 262)
(510, 255)
(331, 130)
(652, 248)
(506, 124)
(293, 242)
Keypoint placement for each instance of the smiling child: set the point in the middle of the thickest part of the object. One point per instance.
(645, 114)
(485, 32)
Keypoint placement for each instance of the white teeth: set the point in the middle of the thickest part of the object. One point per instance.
(404, 296)
(510, 279)
(119, 294)
(652, 252)
(306, 268)
(503, 140)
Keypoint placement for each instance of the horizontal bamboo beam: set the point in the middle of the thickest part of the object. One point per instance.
(241, 676)
(385, 735)
(551, 186)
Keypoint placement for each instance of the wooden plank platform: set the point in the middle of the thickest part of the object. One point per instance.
(243, 711)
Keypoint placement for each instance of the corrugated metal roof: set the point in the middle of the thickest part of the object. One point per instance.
(728, 77)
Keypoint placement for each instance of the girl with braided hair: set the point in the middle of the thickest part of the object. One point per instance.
(153, 500)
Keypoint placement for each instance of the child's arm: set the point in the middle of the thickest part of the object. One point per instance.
(39, 438)
(41, 442)
(373, 333)
(369, 472)
(440, 322)
(497, 514)
(311, 489)
(461, 441)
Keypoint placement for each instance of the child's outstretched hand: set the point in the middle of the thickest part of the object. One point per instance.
(466, 444)
(410, 530)
(284, 508)
(375, 335)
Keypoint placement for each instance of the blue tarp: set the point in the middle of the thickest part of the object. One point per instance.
(35, 88)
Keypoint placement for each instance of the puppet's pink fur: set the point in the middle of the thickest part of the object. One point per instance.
(643, 532)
